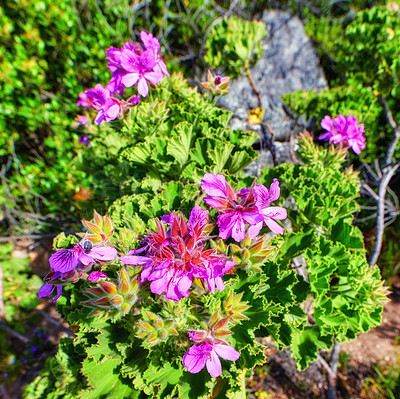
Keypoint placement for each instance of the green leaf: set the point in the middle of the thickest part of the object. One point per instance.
(179, 145)
(105, 379)
(220, 155)
(347, 234)
(140, 154)
(239, 160)
(295, 244)
(305, 346)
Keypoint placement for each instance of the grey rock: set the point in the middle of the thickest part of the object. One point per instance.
(289, 63)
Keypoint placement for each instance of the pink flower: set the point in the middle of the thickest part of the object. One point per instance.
(114, 65)
(344, 130)
(96, 276)
(176, 254)
(84, 101)
(152, 43)
(84, 253)
(70, 265)
(109, 111)
(207, 352)
(269, 213)
(250, 205)
(140, 70)
(132, 65)
(108, 107)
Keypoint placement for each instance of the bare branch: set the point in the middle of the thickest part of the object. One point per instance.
(371, 192)
(395, 127)
(331, 391)
(52, 320)
(326, 366)
(13, 333)
(380, 217)
(386, 174)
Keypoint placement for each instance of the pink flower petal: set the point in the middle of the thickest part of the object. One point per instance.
(112, 110)
(86, 259)
(254, 230)
(103, 253)
(213, 365)
(64, 260)
(142, 87)
(238, 229)
(45, 290)
(226, 351)
(59, 292)
(225, 226)
(184, 283)
(197, 336)
(99, 117)
(217, 203)
(134, 260)
(95, 276)
(197, 215)
(214, 185)
(275, 228)
(194, 360)
(327, 123)
(154, 77)
(275, 212)
(340, 124)
(130, 79)
(160, 285)
(252, 217)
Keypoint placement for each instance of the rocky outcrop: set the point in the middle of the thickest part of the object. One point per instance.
(289, 63)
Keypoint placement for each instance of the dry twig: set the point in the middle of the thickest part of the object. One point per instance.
(386, 174)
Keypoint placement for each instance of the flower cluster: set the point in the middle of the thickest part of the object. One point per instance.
(176, 254)
(344, 130)
(237, 208)
(131, 65)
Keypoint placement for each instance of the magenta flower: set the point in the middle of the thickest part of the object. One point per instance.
(96, 276)
(84, 253)
(84, 101)
(269, 213)
(237, 208)
(207, 352)
(250, 205)
(132, 65)
(152, 43)
(176, 254)
(70, 265)
(108, 107)
(114, 65)
(140, 70)
(56, 280)
(344, 130)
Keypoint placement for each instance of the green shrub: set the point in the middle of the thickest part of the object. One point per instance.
(234, 45)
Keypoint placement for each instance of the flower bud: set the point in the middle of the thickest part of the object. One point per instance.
(100, 229)
(116, 298)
